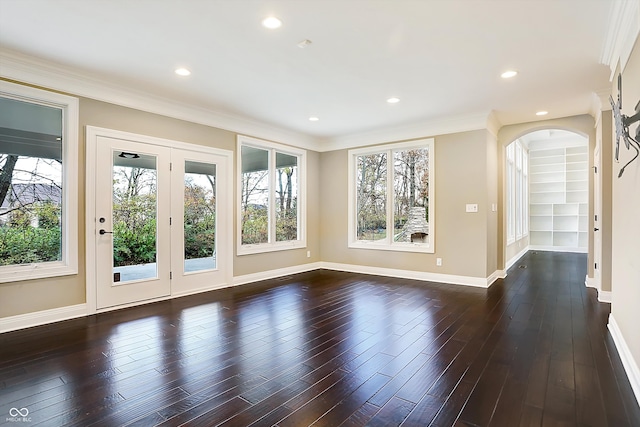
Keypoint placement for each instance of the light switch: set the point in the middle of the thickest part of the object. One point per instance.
(472, 207)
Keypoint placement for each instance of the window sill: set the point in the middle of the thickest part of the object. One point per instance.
(398, 247)
(14, 273)
(270, 247)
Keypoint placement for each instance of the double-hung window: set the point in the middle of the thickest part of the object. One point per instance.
(38, 183)
(272, 197)
(391, 197)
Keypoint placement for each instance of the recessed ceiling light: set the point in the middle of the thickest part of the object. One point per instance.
(508, 74)
(182, 72)
(271, 22)
(393, 100)
(313, 119)
(542, 113)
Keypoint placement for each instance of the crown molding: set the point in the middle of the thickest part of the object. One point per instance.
(420, 129)
(29, 70)
(22, 68)
(622, 33)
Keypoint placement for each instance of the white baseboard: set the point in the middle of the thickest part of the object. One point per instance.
(515, 258)
(64, 313)
(603, 296)
(557, 249)
(498, 274)
(272, 274)
(480, 282)
(630, 365)
(591, 282)
(38, 318)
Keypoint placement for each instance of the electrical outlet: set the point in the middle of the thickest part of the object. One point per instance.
(439, 262)
(308, 254)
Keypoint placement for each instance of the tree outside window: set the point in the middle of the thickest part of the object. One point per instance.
(38, 188)
(390, 200)
(271, 196)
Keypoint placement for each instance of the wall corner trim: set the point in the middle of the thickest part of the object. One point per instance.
(37, 318)
(630, 365)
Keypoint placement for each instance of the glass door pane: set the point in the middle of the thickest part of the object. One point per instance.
(134, 216)
(199, 216)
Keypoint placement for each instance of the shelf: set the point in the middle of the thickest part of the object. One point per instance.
(557, 167)
(583, 239)
(547, 177)
(544, 187)
(541, 209)
(539, 223)
(577, 196)
(565, 239)
(577, 150)
(542, 238)
(566, 209)
(577, 185)
(555, 197)
(550, 152)
(558, 197)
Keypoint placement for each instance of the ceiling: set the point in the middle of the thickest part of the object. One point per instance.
(441, 58)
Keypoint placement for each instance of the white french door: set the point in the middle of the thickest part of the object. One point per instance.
(161, 219)
(132, 229)
(200, 225)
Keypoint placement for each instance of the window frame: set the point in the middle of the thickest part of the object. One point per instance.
(69, 106)
(510, 199)
(387, 244)
(272, 245)
(517, 191)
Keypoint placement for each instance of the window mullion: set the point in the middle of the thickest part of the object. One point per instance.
(272, 198)
(389, 198)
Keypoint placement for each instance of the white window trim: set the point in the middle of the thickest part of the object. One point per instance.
(69, 263)
(386, 244)
(273, 246)
(517, 197)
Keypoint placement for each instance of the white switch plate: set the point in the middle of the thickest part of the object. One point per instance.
(439, 262)
(494, 207)
(472, 207)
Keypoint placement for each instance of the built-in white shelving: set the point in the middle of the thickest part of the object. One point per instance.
(558, 198)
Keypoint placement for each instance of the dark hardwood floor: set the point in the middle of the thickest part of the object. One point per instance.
(333, 349)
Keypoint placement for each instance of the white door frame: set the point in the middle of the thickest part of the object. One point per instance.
(92, 134)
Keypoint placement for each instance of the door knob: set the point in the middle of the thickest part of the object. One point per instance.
(596, 229)
(103, 231)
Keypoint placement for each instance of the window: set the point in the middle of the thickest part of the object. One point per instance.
(271, 196)
(511, 218)
(38, 183)
(391, 197)
(517, 200)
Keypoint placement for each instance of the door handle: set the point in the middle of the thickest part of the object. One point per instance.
(103, 231)
(596, 229)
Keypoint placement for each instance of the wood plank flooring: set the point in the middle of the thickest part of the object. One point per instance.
(329, 348)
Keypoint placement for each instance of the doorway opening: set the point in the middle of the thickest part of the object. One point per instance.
(558, 190)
